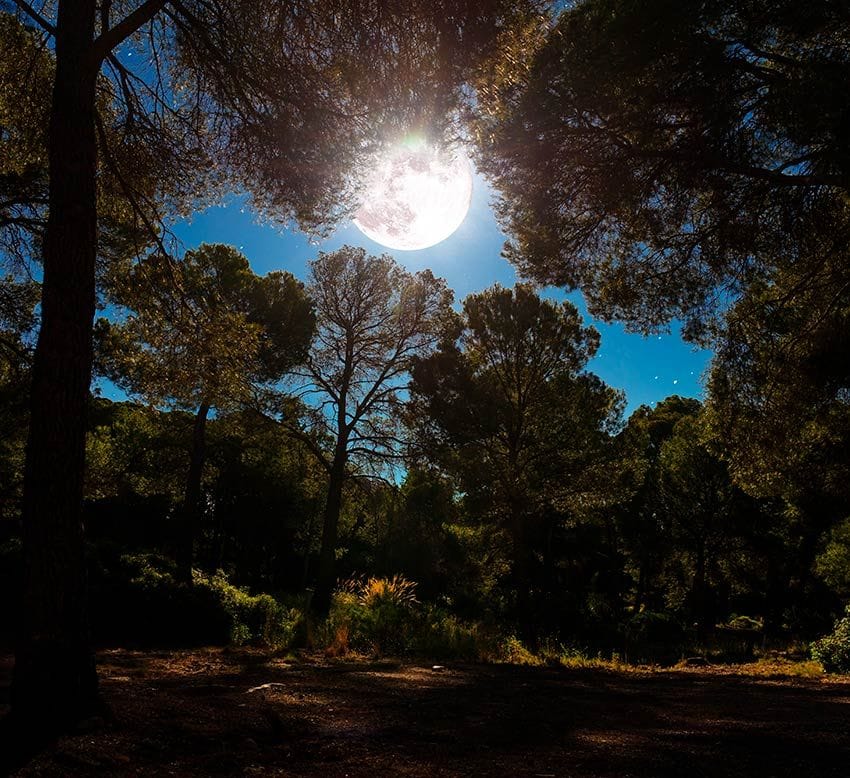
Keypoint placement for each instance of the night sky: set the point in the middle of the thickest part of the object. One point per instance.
(647, 369)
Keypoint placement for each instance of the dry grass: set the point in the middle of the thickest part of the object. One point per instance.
(376, 591)
(766, 667)
(513, 651)
(615, 664)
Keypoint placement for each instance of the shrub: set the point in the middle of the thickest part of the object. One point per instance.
(833, 650)
(343, 630)
(745, 623)
(513, 651)
(375, 615)
(382, 616)
(440, 635)
(258, 617)
(139, 600)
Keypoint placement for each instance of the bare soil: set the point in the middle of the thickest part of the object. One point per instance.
(247, 712)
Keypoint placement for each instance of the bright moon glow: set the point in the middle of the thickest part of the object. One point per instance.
(415, 197)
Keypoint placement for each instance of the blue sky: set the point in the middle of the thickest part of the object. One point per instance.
(647, 369)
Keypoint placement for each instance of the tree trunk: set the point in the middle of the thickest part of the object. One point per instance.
(549, 609)
(698, 593)
(326, 577)
(522, 576)
(640, 589)
(55, 681)
(191, 514)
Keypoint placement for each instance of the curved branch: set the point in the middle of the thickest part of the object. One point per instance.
(36, 17)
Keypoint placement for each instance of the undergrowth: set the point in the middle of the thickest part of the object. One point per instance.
(377, 617)
(833, 650)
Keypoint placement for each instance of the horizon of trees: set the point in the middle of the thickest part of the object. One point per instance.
(483, 460)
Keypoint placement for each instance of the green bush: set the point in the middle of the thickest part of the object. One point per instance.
(440, 635)
(833, 650)
(254, 617)
(513, 651)
(745, 623)
(139, 600)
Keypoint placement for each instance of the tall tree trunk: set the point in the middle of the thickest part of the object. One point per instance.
(326, 577)
(191, 513)
(522, 575)
(55, 681)
(698, 593)
(640, 589)
(549, 610)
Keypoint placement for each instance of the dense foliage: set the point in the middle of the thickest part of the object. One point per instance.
(516, 498)
(663, 155)
(833, 650)
(688, 161)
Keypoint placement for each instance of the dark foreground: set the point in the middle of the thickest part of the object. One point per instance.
(242, 712)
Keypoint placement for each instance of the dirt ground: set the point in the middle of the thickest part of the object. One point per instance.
(244, 712)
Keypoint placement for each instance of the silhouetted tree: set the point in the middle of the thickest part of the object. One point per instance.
(698, 505)
(780, 379)
(506, 408)
(201, 334)
(641, 521)
(374, 319)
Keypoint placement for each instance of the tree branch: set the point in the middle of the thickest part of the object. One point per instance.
(116, 35)
(36, 17)
(125, 187)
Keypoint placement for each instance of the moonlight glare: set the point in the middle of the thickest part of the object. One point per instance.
(415, 197)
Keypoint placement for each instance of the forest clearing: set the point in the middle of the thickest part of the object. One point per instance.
(248, 712)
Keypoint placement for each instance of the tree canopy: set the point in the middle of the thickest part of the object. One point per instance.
(661, 156)
(504, 406)
(779, 382)
(203, 331)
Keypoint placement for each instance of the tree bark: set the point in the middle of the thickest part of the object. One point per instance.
(55, 680)
(326, 577)
(640, 589)
(698, 593)
(191, 513)
(526, 608)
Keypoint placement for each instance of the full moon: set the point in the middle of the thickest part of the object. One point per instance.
(415, 197)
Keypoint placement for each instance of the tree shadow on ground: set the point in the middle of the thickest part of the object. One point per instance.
(245, 712)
